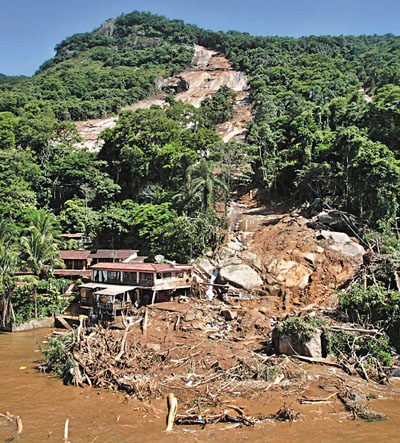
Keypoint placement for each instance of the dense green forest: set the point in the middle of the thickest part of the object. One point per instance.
(326, 121)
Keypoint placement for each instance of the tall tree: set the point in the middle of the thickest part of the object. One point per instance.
(203, 183)
(8, 264)
(40, 247)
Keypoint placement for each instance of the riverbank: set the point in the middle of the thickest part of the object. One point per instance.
(44, 403)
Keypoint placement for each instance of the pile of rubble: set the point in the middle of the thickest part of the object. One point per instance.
(294, 261)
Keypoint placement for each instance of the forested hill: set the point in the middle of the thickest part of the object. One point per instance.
(325, 124)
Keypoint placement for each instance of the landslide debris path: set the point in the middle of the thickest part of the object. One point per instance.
(293, 261)
(209, 71)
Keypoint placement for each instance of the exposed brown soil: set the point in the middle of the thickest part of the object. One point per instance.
(214, 366)
(306, 268)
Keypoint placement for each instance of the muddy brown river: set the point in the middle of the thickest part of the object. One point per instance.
(44, 403)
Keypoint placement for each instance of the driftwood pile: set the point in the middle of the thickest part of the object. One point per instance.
(357, 409)
(125, 360)
(99, 358)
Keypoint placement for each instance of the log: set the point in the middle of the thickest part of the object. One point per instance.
(321, 361)
(66, 430)
(360, 330)
(64, 322)
(144, 323)
(172, 403)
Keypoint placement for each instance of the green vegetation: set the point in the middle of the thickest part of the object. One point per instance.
(301, 328)
(373, 349)
(375, 305)
(325, 124)
(34, 293)
(313, 130)
(48, 299)
(56, 356)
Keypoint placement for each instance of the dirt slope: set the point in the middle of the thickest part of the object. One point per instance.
(299, 266)
(208, 73)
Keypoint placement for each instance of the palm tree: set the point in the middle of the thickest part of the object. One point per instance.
(8, 264)
(203, 183)
(40, 247)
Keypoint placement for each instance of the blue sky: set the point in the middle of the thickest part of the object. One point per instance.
(29, 29)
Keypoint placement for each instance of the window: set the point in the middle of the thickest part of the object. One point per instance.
(146, 279)
(113, 275)
(130, 276)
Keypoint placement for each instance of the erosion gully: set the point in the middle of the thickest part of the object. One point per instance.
(44, 403)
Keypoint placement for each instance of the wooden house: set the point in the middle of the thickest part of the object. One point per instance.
(76, 264)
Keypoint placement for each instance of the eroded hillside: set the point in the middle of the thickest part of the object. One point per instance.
(209, 71)
(293, 261)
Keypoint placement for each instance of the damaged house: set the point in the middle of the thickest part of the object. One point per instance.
(116, 287)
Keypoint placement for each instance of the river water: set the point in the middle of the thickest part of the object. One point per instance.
(44, 403)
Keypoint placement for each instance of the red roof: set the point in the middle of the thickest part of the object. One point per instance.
(141, 267)
(72, 273)
(139, 259)
(80, 254)
(120, 254)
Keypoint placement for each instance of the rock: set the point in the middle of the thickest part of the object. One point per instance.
(189, 316)
(337, 220)
(290, 273)
(254, 319)
(292, 345)
(241, 276)
(173, 85)
(206, 266)
(310, 257)
(341, 242)
(274, 290)
(235, 246)
(395, 372)
(251, 258)
(228, 314)
(198, 325)
(156, 347)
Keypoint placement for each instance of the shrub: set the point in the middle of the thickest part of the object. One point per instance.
(57, 360)
(303, 328)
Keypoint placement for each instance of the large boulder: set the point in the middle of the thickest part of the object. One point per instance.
(173, 85)
(341, 242)
(241, 276)
(295, 345)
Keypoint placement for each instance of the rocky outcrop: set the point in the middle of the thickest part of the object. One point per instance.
(173, 85)
(342, 243)
(208, 73)
(336, 221)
